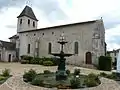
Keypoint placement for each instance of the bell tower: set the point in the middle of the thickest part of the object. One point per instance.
(26, 20)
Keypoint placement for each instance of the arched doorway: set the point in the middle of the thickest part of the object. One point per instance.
(9, 58)
(88, 58)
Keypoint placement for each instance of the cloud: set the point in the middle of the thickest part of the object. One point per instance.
(11, 26)
(54, 12)
(11, 3)
(113, 37)
(111, 18)
(51, 10)
(8, 22)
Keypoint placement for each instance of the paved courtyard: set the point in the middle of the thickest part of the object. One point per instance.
(17, 70)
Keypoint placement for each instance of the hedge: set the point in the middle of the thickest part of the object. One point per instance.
(46, 61)
(105, 63)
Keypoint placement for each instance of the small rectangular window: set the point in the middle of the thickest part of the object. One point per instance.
(28, 51)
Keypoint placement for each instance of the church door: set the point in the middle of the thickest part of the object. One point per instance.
(9, 58)
(0, 57)
(88, 58)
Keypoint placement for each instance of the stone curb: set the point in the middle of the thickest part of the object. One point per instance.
(17, 83)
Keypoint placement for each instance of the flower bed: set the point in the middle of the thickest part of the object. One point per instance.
(74, 80)
(4, 76)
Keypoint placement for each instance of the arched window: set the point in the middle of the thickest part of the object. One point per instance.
(28, 49)
(28, 21)
(20, 21)
(33, 24)
(76, 47)
(49, 48)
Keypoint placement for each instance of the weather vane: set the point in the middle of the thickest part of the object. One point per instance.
(28, 2)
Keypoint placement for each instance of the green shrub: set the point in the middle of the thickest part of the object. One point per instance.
(24, 62)
(30, 75)
(75, 82)
(26, 57)
(68, 72)
(55, 60)
(92, 80)
(105, 63)
(89, 82)
(6, 72)
(112, 76)
(22, 57)
(47, 63)
(103, 74)
(76, 71)
(47, 72)
(92, 75)
(41, 62)
(36, 60)
(46, 59)
(52, 59)
(37, 81)
(2, 78)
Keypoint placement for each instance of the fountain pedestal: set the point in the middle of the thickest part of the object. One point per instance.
(61, 73)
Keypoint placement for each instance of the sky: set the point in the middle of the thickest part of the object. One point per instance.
(57, 12)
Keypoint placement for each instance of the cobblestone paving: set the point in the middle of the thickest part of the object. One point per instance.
(16, 82)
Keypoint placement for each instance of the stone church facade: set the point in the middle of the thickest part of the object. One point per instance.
(86, 40)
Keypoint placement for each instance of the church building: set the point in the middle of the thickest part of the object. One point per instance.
(86, 40)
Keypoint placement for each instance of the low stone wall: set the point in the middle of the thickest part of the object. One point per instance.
(106, 84)
(17, 83)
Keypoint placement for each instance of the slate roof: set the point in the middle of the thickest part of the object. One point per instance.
(14, 37)
(27, 11)
(8, 45)
(66, 25)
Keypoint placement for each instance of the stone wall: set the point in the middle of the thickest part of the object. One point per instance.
(82, 33)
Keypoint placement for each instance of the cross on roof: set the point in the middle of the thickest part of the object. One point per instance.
(28, 2)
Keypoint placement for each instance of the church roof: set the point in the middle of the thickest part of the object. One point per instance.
(7, 45)
(14, 37)
(59, 26)
(27, 11)
(114, 51)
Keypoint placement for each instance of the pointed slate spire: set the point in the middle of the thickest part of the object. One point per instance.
(27, 11)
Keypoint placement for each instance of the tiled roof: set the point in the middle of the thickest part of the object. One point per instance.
(7, 45)
(27, 11)
(66, 25)
(14, 37)
(113, 51)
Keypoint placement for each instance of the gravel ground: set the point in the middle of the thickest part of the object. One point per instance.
(17, 70)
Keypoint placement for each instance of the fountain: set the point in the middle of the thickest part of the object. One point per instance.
(61, 73)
